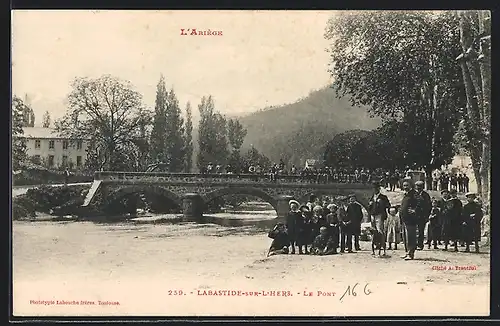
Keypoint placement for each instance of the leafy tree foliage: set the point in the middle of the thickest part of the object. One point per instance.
(188, 139)
(475, 64)
(18, 144)
(401, 64)
(46, 120)
(212, 135)
(107, 112)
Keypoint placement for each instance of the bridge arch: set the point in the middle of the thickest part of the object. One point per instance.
(249, 191)
(147, 189)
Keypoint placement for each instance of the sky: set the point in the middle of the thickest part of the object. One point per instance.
(262, 58)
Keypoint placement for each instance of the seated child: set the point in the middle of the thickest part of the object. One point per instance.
(323, 243)
(281, 241)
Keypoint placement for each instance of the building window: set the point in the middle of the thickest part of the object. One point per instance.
(78, 161)
(65, 144)
(64, 160)
(51, 144)
(51, 160)
(37, 144)
(79, 145)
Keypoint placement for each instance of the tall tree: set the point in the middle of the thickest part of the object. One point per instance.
(158, 134)
(401, 64)
(475, 64)
(28, 114)
(174, 134)
(212, 135)
(18, 143)
(106, 111)
(188, 139)
(236, 134)
(46, 120)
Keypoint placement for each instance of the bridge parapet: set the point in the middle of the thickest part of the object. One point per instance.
(111, 176)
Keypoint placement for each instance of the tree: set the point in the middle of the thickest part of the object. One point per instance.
(340, 150)
(174, 136)
(475, 64)
(46, 120)
(158, 134)
(252, 156)
(236, 134)
(188, 139)
(18, 143)
(28, 114)
(401, 64)
(212, 135)
(107, 112)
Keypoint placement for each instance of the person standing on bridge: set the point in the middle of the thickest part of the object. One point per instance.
(292, 220)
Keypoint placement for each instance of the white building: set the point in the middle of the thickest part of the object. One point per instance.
(50, 149)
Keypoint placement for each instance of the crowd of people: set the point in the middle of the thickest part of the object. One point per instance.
(391, 179)
(321, 227)
(450, 180)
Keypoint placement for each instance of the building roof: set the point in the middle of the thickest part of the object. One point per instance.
(41, 133)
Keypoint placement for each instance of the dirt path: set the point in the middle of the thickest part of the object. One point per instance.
(138, 266)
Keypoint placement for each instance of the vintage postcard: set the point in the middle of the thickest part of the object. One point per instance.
(251, 163)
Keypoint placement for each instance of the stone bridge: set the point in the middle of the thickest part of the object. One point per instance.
(192, 192)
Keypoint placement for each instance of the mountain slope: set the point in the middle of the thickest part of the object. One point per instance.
(301, 130)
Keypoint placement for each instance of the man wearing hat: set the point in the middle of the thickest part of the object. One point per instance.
(451, 218)
(304, 229)
(292, 219)
(351, 225)
(377, 207)
(408, 214)
(472, 215)
(423, 211)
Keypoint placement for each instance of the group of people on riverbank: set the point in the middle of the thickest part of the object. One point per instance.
(325, 228)
(450, 180)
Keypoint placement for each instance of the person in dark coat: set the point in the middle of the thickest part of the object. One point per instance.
(472, 215)
(281, 241)
(333, 225)
(377, 208)
(303, 229)
(453, 181)
(423, 211)
(466, 182)
(434, 225)
(349, 224)
(451, 209)
(409, 217)
(355, 211)
(292, 219)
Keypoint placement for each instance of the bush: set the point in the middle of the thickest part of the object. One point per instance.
(32, 175)
(64, 200)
